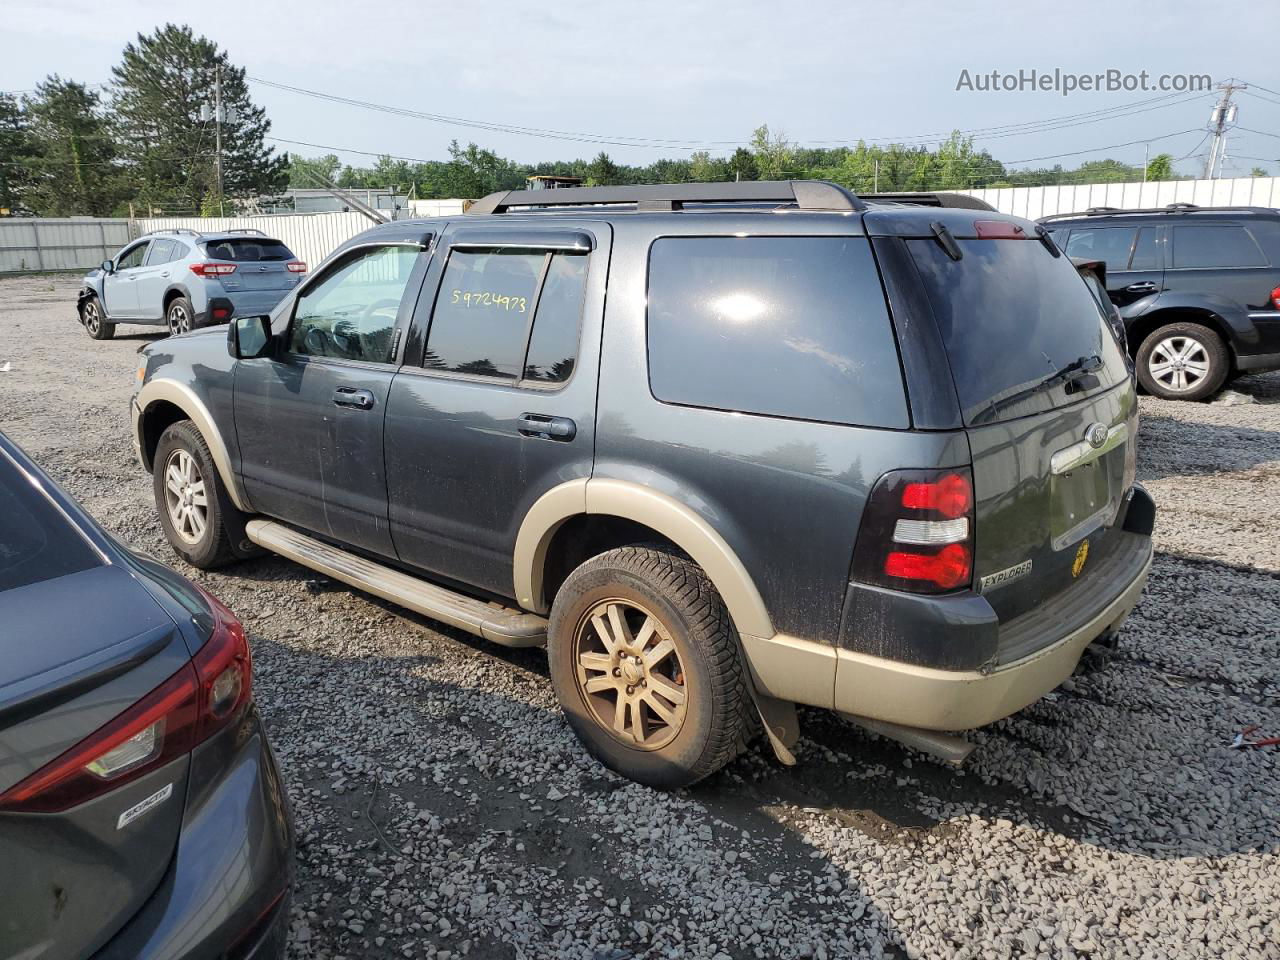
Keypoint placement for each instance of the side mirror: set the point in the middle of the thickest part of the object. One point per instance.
(108, 266)
(248, 337)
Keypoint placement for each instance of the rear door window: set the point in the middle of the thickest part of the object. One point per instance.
(36, 541)
(249, 250)
(510, 314)
(161, 252)
(782, 326)
(1206, 245)
(1112, 245)
(1012, 316)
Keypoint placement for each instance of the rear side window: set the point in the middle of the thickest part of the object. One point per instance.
(510, 314)
(36, 541)
(1012, 316)
(782, 326)
(161, 252)
(248, 250)
(1113, 245)
(1215, 246)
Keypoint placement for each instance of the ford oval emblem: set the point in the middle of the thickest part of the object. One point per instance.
(1096, 434)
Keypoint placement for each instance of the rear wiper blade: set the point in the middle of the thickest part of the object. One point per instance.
(1075, 370)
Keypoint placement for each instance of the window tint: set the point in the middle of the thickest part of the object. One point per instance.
(133, 258)
(1109, 244)
(240, 251)
(1215, 246)
(180, 251)
(161, 252)
(351, 312)
(553, 345)
(485, 322)
(1146, 253)
(1012, 315)
(36, 541)
(783, 326)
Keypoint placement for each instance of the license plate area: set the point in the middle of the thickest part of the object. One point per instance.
(1081, 501)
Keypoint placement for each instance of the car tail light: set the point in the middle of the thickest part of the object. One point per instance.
(212, 269)
(1275, 298)
(203, 697)
(297, 266)
(917, 532)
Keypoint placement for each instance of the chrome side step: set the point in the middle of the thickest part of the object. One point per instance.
(504, 625)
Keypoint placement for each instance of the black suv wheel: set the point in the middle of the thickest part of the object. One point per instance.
(645, 664)
(200, 522)
(1183, 361)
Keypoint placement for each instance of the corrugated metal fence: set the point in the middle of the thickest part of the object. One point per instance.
(80, 243)
(1035, 202)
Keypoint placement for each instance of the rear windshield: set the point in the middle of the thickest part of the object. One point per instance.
(248, 249)
(36, 541)
(1012, 316)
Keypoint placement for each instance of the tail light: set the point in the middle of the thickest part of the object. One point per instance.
(212, 269)
(1275, 298)
(297, 266)
(203, 697)
(917, 532)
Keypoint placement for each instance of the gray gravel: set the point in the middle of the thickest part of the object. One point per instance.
(444, 809)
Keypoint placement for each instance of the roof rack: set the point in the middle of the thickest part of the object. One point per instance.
(245, 231)
(187, 230)
(805, 194)
(958, 200)
(1181, 207)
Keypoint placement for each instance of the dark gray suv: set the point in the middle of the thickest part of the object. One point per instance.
(724, 448)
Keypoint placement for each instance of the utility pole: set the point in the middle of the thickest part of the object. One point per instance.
(1224, 114)
(217, 128)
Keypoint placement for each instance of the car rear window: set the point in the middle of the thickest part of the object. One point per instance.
(783, 326)
(250, 249)
(1011, 316)
(36, 541)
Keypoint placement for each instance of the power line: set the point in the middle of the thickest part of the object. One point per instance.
(1263, 132)
(1110, 146)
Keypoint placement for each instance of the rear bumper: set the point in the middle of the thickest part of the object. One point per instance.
(226, 893)
(963, 699)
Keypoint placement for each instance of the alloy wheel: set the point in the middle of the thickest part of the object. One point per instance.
(630, 675)
(1178, 363)
(179, 319)
(185, 496)
(92, 318)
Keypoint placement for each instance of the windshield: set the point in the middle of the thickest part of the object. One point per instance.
(258, 248)
(36, 541)
(1014, 318)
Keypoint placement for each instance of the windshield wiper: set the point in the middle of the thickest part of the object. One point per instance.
(1077, 369)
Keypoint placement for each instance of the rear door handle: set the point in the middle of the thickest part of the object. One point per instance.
(1142, 286)
(549, 428)
(351, 397)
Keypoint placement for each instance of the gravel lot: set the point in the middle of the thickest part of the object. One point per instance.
(445, 809)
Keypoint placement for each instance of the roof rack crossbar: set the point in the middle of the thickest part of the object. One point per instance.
(805, 194)
(932, 199)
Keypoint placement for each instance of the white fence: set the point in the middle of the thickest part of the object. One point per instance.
(59, 244)
(1035, 202)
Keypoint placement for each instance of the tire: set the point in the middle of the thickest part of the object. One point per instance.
(679, 744)
(1183, 361)
(179, 316)
(95, 324)
(217, 537)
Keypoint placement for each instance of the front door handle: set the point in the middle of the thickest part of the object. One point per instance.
(1142, 286)
(549, 428)
(351, 397)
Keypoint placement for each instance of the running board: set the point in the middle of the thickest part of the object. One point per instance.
(511, 628)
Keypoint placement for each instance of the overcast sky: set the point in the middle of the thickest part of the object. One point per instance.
(693, 72)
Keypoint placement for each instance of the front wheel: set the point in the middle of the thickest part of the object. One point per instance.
(1183, 361)
(95, 324)
(645, 664)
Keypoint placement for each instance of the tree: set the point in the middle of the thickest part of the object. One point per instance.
(161, 85)
(311, 172)
(1258, 172)
(15, 152)
(742, 165)
(602, 172)
(773, 154)
(1160, 167)
(73, 167)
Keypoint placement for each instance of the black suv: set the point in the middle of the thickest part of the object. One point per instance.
(724, 448)
(1198, 288)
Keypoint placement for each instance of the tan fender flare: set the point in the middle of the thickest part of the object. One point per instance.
(185, 399)
(633, 501)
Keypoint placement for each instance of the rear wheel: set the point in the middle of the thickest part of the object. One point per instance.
(199, 520)
(94, 322)
(179, 317)
(1183, 361)
(645, 664)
